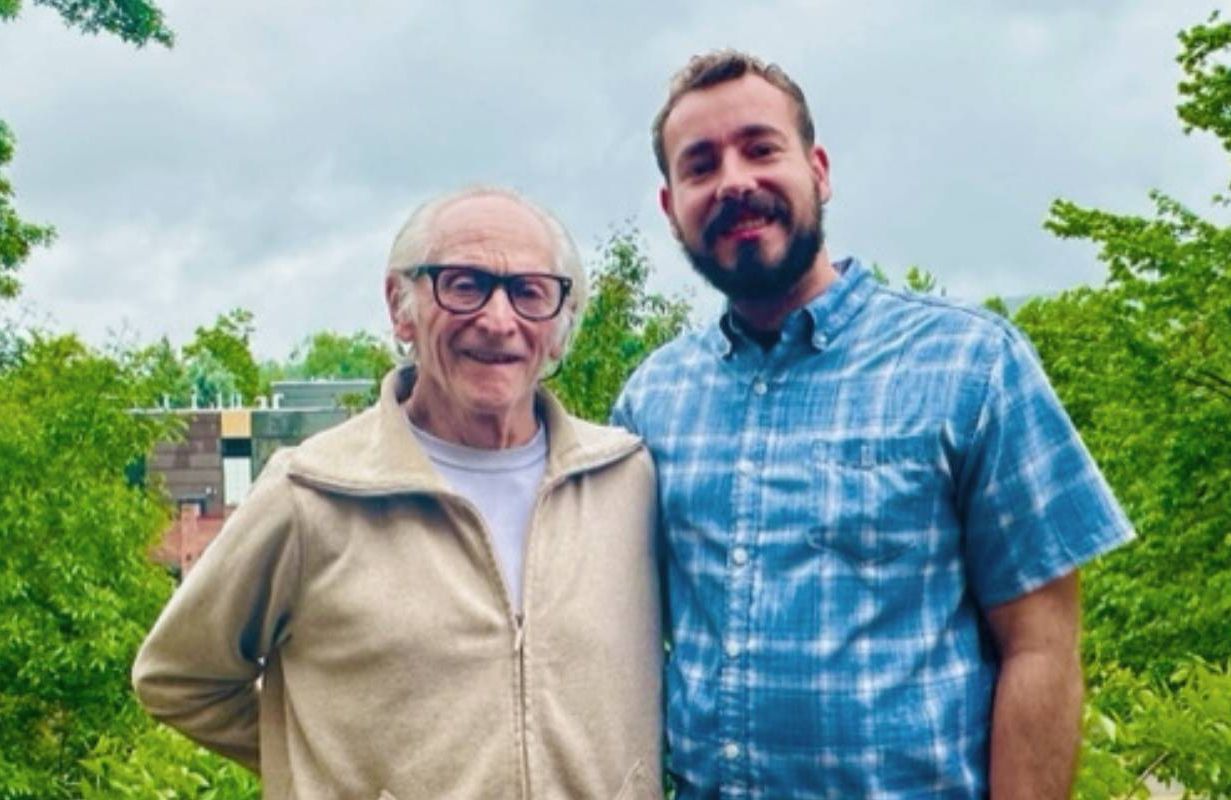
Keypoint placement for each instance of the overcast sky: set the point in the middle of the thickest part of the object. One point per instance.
(268, 159)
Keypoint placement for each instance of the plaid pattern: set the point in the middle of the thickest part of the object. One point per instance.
(837, 512)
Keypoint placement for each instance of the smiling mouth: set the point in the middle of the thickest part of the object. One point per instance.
(744, 218)
(491, 357)
(747, 225)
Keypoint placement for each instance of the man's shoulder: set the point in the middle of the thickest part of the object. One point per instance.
(664, 373)
(938, 313)
(668, 365)
(928, 329)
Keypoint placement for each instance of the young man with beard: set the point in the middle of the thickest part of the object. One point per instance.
(873, 505)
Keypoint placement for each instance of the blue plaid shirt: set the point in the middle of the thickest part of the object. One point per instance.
(838, 511)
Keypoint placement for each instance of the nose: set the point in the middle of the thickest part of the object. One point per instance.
(736, 178)
(497, 317)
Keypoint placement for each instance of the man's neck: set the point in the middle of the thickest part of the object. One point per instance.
(766, 315)
(472, 428)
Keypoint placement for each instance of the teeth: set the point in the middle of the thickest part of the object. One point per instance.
(749, 224)
(492, 358)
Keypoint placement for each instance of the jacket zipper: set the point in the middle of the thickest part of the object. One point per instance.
(519, 648)
(519, 637)
(518, 620)
(519, 630)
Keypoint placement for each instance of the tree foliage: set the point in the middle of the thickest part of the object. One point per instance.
(922, 281)
(1143, 365)
(622, 325)
(158, 762)
(137, 22)
(327, 354)
(17, 237)
(77, 592)
(219, 360)
(160, 376)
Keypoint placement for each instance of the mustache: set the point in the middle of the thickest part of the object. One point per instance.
(754, 204)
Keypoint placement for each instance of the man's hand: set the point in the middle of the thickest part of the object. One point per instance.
(1036, 717)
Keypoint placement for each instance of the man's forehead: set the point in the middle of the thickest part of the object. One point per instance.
(480, 211)
(486, 225)
(743, 107)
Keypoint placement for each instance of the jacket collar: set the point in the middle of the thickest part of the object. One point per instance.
(375, 453)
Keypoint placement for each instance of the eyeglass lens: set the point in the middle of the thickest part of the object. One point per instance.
(465, 289)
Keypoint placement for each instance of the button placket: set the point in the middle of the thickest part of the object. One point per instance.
(732, 700)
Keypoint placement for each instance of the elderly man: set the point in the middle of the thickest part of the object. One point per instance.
(874, 504)
(453, 594)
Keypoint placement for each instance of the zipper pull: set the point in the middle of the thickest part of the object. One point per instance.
(519, 635)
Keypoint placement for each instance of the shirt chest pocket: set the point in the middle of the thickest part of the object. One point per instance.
(877, 498)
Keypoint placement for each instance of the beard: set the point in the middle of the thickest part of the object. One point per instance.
(752, 277)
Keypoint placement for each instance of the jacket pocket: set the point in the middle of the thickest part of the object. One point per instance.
(637, 785)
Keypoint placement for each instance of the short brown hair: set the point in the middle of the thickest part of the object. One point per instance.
(719, 66)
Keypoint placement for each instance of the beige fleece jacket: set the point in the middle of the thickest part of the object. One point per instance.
(349, 634)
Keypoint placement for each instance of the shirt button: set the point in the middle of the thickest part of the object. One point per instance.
(739, 556)
(759, 387)
(744, 467)
(730, 751)
(731, 648)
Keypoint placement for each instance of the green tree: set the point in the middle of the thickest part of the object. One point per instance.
(220, 362)
(210, 383)
(160, 375)
(155, 761)
(326, 354)
(76, 589)
(137, 22)
(77, 592)
(921, 281)
(1143, 365)
(622, 325)
(997, 305)
(17, 237)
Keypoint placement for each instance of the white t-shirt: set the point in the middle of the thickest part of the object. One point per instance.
(502, 485)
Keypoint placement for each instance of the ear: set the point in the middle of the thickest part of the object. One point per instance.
(664, 201)
(403, 327)
(555, 351)
(818, 160)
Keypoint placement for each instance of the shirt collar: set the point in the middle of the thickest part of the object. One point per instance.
(819, 321)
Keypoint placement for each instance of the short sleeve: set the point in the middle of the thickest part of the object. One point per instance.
(1034, 504)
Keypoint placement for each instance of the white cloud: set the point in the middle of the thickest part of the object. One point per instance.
(269, 158)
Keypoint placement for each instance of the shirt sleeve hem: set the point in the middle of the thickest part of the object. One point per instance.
(1109, 539)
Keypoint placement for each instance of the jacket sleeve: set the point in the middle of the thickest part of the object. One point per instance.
(199, 668)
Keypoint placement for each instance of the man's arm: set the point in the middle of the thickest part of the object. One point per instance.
(199, 667)
(1036, 717)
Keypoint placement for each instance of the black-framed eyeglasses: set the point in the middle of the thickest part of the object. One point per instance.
(463, 289)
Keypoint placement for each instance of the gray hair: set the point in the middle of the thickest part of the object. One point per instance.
(414, 242)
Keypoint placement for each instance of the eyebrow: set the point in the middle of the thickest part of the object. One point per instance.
(752, 131)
